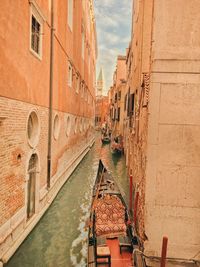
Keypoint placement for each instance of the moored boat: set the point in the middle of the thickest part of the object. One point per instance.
(117, 146)
(116, 149)
(110, 235)
(105, 139)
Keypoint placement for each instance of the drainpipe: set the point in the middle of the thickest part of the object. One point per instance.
(50, 97)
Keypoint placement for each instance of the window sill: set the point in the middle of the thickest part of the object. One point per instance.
(39, 57)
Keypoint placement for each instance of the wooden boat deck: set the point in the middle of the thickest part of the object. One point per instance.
(117, 259)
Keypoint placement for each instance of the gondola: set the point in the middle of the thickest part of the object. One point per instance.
(105, 139)
(110, 234)
(116, 149)
(117, 146)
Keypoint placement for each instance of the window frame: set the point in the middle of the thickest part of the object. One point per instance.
(70, 14)
(83, 45)
(70, 74)
(77, 83)
(36, 14)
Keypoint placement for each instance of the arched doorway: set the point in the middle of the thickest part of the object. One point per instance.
(32, 170)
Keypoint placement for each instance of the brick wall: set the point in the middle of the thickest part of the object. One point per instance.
(15, 153)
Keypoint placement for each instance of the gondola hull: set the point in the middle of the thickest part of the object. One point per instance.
(110, 231)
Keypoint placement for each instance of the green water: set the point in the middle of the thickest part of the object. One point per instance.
(60, 238)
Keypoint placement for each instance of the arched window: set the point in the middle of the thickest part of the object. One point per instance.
(56, 126)
(68, 126)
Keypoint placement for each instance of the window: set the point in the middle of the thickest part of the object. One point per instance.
(83, 45)
(35, 35)
(77, 83)
(81, 125)
(70, 14)
(89, 61)
(119, 95)
(67, 126)
(33, 129)
(37, 19)
(69, 74)
(125, 102)
(115, 97)
(118, 114)
(132, 102)
(82, 90)
(128, 103)
(75, 125)
(86, 93)
(56, 126)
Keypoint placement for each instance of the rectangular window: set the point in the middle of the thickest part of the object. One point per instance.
(35, 35)
(37, 19)
(77, 83)
(83, 45)
(69, 74)
(115, 97)
(119, 95)
(118, 114)
(70, 14)
(125, 102)
(85, 94)
(132, 102)
(82, 90)
(128, 103)
(89, 61)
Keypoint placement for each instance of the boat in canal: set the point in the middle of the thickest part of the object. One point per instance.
(117, 146)
(110, 235)
(105, 139)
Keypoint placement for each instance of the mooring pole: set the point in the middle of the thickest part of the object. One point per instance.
(164, 251)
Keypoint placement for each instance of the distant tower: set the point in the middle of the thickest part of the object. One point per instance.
(100, 84)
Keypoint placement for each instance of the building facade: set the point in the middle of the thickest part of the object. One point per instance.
(117, 96)
(101, 111)
(47, 106)
(163, 128)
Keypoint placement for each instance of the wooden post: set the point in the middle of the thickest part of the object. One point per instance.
(135, 208)
(164, 251)
(131, 194)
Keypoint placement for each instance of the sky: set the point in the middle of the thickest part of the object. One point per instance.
(113, 22)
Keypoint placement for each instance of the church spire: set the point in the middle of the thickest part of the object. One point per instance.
(100, 83)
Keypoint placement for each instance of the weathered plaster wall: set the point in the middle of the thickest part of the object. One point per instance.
(173, 161)
(24, 88)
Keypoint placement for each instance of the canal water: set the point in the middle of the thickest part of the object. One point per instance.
(60, 238)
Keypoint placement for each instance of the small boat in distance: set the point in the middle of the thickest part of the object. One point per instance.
(117, 146)
(110, 235)
(105, 139)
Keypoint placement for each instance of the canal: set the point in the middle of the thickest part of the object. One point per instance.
(60, 238)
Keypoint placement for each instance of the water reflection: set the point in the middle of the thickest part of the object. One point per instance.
(60, 238)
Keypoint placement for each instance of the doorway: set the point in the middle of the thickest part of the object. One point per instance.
(32, 171)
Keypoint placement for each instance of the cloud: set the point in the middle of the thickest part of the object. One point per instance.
(113, 19)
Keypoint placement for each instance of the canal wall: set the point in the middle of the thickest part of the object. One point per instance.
(70, 144)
